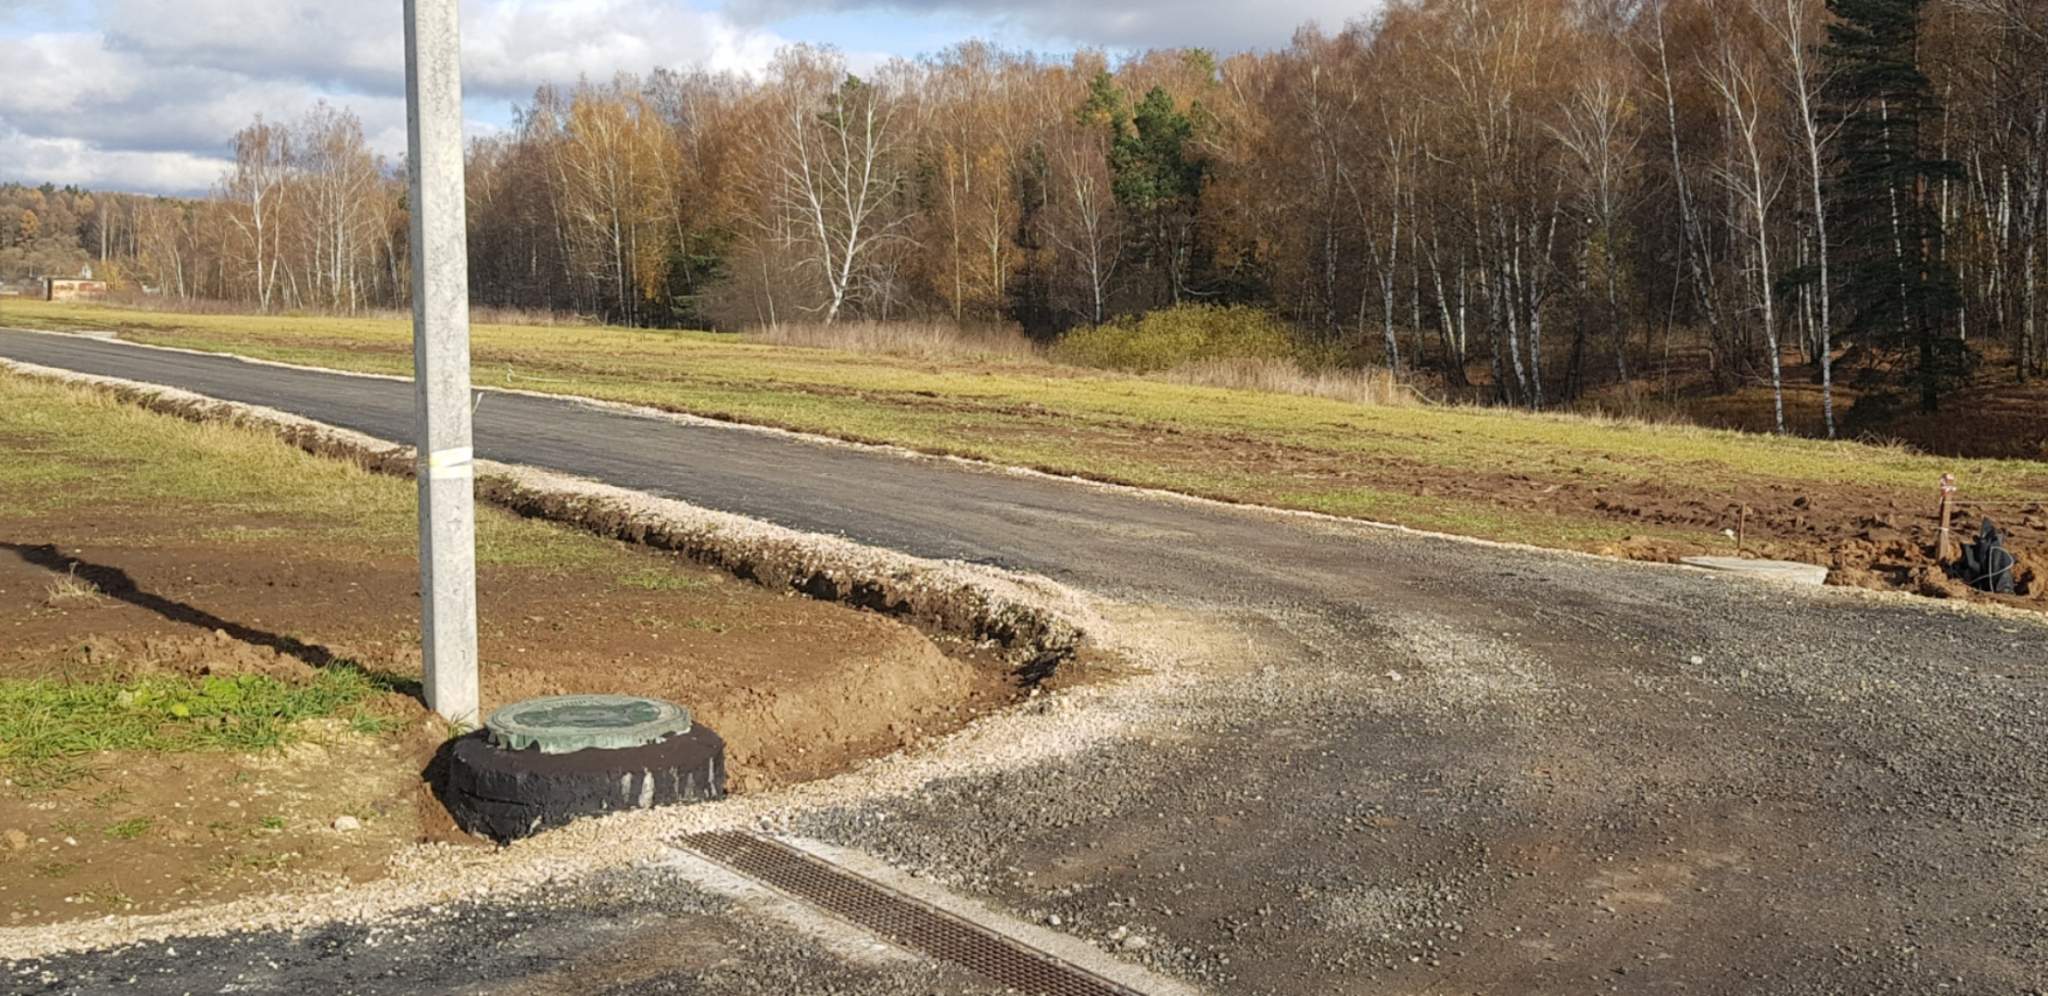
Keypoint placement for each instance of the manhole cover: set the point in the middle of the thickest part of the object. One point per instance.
(569, 723)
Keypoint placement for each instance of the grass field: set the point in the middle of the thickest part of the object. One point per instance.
(69, 450)
(1553, 480)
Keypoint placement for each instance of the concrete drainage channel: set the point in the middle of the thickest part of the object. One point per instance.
(1779, 571)
(919, 918)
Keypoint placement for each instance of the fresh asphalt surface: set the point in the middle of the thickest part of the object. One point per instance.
(1409, 766)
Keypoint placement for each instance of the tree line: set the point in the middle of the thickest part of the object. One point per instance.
(1537, 197)
(307, 217)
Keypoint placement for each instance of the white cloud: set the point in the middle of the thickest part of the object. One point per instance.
(148, 94)
(74, 92)
(1223, 25)
(51, 74)
(351, 46)
(72, 161)
(510, 48)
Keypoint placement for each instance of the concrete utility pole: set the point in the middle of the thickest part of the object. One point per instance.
(440, 336)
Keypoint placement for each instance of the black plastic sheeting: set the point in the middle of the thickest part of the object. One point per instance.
(1987, 565)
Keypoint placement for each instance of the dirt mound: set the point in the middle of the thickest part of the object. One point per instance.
(217, 654)
(1864, 543)
(871, 706)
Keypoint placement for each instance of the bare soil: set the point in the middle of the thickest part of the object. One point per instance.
(1866, 540)
(1870, 538)
(800, 689)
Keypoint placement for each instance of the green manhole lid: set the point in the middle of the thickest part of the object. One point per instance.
(566, 724)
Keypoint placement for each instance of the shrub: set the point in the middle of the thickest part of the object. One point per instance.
(1169, 338)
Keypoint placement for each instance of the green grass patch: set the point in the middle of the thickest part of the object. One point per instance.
(129, 829)
(70, 456)
(71, 449)
(48, 725)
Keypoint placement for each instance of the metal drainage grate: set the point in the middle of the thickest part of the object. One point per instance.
(901, 919)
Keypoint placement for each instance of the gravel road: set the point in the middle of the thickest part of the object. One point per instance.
(1398, 765)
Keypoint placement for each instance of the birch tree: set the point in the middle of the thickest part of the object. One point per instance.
(1794, 26)
(835, 161)
(1081, 221)
(1754, 179)
(254, 187)
(1599, 130)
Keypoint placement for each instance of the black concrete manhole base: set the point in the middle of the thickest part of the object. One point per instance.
(901, 919)
(543, 764)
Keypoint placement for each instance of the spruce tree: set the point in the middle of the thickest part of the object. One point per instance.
(1899, 291)
(1157, 173)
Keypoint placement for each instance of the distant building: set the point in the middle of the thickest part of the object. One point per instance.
(69, 289)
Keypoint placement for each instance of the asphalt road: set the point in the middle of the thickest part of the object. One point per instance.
(1413, 766)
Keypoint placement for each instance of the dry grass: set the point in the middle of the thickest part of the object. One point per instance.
(1658, 418)
(913, 340)
(1367, 386)
(478, 314)
(70, 589)
(1630, 405)
(939, 341)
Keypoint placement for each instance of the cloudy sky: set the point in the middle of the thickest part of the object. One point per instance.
(143, 95)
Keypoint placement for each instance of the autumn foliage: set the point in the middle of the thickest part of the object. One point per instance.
(1518, 200)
